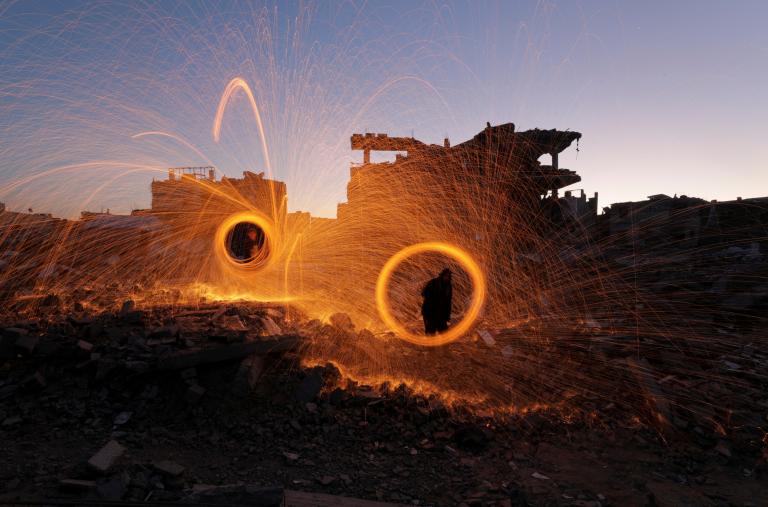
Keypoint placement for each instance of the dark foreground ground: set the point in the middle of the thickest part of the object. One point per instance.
(213, 406)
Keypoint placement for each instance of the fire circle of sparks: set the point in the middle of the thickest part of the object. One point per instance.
(453, 333)
(221, 249)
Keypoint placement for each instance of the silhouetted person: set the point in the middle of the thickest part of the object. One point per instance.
(247, 247)
(436, 309)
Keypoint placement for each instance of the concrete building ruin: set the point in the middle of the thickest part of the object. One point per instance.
(499, 154)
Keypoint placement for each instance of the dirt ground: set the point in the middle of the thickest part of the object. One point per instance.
(262, 424)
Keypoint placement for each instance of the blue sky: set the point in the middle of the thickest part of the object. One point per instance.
(671, 97)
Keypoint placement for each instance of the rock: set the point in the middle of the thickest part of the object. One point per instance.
(487, 337)
(122, 418)
(168, 331)
(11, 421)
(194, 394)
(250, 370)
(269, 326)
(723, 448)
(471, 438)
(128, 307)
(291, 456)
(51, 300)
(113, 489)
(310, 386)
(27, 343)
(76, 485)
(184, 360)
(541, 477)
(168, 468)
(342, 322)
(103, 460)
(84, 345)
(327, 480)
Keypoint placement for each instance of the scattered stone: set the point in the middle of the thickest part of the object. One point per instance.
(168, 468)
(84, 345)
(11, 421)
(269, 326)
(113, 489)
(122, 418)
(723, 448)
(342, 322)
(76, 485)
(487, 337)
(310, 386)
(103, 460)
(27, 343)
(194, 394)
(128, 307)
(327, 480)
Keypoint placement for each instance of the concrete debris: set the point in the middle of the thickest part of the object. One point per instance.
(194, 394)
(76, 485)
(311, 386)
(168, 468)
(342, 322)
(487, 337)
(103, 460)
(122, 418)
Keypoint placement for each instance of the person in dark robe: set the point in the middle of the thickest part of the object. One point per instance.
(436, 308)
(246, 246)
(251, 244)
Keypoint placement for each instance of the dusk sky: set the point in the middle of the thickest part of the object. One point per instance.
(671, 97)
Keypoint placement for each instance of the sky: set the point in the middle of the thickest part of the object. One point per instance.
(98, 98)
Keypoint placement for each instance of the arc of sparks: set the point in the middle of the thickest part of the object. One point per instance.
(235, 84)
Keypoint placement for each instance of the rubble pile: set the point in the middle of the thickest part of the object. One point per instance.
(235, 403)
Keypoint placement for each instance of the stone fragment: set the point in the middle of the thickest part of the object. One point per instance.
(342, 322)
(122, 418)
(27, 343)
(327, 480)
(487, 337)
(168, 468)
(76, 485)
(194, 394)
(103, 460)
(269, 326)
(723, 448)
(84, 345)
(113, 489)
(310, 386)
(184, 360)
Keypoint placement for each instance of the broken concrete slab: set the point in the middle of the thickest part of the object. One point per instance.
(248, 374)
(103, 460)
(184, 360)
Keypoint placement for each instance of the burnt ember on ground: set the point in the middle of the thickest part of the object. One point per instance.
(220, 403)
